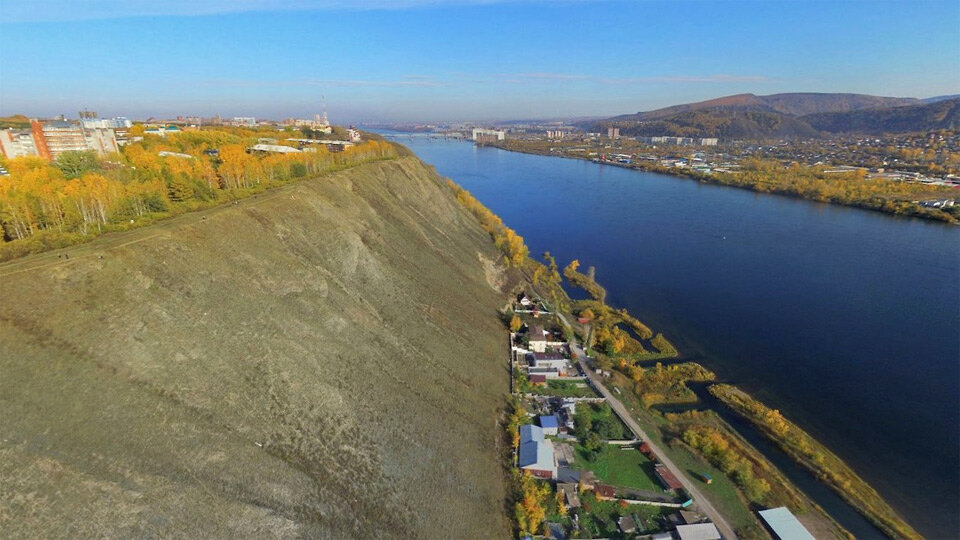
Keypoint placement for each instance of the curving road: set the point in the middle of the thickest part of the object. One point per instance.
(702, 503)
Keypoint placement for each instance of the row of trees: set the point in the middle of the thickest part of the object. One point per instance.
(584, 281)
(46, 204)
(724, 454)
(810, 453)
(505, 239)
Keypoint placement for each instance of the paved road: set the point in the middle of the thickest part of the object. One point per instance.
(725, 530)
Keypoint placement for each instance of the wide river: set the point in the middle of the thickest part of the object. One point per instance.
(846, 320)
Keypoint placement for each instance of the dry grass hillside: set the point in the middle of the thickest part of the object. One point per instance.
(322, 360)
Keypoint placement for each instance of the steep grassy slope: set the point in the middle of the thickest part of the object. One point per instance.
(322, 360)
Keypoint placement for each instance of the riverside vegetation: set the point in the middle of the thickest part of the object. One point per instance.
(806, 182)
(617, 341)
(807, 451)
(79, 196)
(700, 439)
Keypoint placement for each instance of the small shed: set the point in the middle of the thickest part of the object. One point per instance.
(627, 524)
(666, 477)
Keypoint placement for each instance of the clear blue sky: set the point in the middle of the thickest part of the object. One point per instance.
(459, 60)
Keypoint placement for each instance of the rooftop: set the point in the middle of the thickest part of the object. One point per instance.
(274, 148)
(530, 432)
(536, 455)
(784, 524)
(549, 421)
(536, 333)
(667, 477)
(699, 531)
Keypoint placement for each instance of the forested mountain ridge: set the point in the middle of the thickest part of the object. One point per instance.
(941, 114)
(792, 115)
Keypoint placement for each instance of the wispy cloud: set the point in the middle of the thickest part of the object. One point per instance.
(21, 11)
(416, 81)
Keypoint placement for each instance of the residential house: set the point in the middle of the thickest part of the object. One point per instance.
(538, 340)
(552, 365)
(536, 453)
(549, 424)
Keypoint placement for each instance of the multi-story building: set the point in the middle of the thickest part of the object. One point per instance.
(55, 137)
(118, 122)
(488, 135)
(613, 133)
(16, 143)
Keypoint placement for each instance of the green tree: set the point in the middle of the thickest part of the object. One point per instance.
(75, 163)
(179, 189)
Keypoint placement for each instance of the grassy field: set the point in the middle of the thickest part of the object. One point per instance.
(721, 492)
(323, 360)
(624, 468)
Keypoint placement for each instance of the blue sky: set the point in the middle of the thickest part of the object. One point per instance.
(409, 60)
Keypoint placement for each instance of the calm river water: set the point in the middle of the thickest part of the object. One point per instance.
(846, 320)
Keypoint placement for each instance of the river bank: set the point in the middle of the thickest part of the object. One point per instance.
(889, 205)
(787, 298)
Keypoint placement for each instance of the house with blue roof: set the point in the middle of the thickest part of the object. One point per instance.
(550, 424)
(535, 454)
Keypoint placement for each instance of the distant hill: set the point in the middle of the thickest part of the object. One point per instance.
(791, 115)
(804, 103)
(728, 124)
(17, 121)
(935, 99)
(794, 104)
(943, 114)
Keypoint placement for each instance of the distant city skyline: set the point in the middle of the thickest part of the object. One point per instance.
(437, 60)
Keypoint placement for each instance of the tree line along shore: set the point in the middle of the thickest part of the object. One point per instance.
(804, 182)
